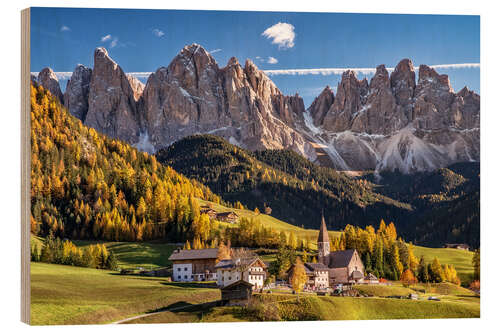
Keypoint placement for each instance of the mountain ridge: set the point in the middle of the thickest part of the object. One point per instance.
(391, 122)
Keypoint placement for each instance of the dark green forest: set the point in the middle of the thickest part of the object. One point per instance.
(429, 208)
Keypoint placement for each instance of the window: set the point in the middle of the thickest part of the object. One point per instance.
(185, 276)
(179, 277)
(178, 269)
(192, 276)
(229, 278)
(185, 268)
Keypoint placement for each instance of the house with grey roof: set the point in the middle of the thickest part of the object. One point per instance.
(194, 265)
(317, 276)
(252, 270)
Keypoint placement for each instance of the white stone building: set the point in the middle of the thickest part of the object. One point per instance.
(194, 265)
(251, 270)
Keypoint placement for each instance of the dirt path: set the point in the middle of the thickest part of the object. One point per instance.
(152, 313)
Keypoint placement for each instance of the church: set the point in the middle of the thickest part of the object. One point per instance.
(343, 267)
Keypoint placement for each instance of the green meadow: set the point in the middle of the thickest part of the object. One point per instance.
(75, 295)
(460, 259)
(280, 307)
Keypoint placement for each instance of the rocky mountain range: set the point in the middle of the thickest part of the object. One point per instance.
(390, 122)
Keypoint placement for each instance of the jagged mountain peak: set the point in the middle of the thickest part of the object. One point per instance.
(428, 75)
(243, 105)
(320, 106)
(380, 79)
(48, 79)
(233, 61)
(100, 52)
(77, 92)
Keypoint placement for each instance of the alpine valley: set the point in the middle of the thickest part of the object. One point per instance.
(393, 147)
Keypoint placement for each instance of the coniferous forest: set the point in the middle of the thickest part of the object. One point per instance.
(87, 186)
(429, 208)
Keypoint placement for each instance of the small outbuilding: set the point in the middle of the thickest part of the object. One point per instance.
(457, 246)
(237, 293)
(230, 217)
(371, 279)
(212, 214)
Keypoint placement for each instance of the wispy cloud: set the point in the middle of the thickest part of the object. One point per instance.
(114, 42)
(158, 32)
(65, 28)
(272, 60)
(214, 51)
(105, 38)
(339, 71)
(318, 71)
(282, 34)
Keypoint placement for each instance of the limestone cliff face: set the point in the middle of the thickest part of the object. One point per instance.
(398, 123)
(76, 96)
(48, 79)
(389, 122)
(193, 95)
(321, 105)
(112, 106)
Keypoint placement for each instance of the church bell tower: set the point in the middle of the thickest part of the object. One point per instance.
(323, 243)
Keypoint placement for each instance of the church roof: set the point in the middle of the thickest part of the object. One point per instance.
(340, 258)
(316, 266)
(323, 232)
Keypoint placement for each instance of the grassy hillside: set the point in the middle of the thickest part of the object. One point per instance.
(326, 308)
(75, 295)
(460, 259)
(276, 224)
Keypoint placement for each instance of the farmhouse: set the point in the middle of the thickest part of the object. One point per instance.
(251, 270)
(317, 275)
(212, 214)
(344, 267)
(230, 217)
(194, 265)
(457, 246)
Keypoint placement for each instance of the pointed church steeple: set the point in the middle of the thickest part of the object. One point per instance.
(323, 232)
(323, 243)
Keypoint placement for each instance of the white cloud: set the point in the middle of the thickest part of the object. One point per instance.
(339, 71)
(158, 32)
(114, 42)
(282, 34)
(455, 66)
(318, 71)
(105, 38)
(65, 28)
(214, 51)
(272, 60)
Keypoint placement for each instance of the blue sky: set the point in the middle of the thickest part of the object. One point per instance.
(143, 40)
